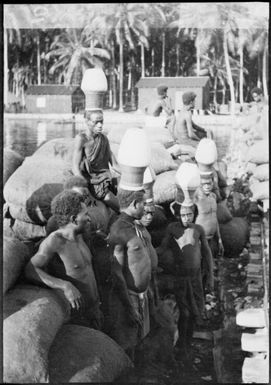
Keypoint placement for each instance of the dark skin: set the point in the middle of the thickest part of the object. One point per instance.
(132, 265)
(94, 126)
(68, 243)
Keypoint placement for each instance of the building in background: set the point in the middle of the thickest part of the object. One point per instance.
(54, 99)
(147, 90)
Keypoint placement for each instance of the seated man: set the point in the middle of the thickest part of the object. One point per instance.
(163, 103)
(188, 245)
(186, 131)
(75, 276)
(131, 274)
(91, 158)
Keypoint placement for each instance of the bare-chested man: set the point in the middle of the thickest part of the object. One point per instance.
(131, 272)
(75, 277)
(185, 130)
(205, 201)
(187, 242)
(91, 158)
(163, 103)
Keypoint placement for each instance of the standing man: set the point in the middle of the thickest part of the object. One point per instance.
(185, 130)
(75, 276)
(91, 158)
(164, 103)
(188, 245)
(131, 274)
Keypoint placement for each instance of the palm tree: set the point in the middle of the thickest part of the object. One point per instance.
(75, 51)
(199, 23)
(127, 22)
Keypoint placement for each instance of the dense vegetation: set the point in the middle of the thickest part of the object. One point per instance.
(226, 41)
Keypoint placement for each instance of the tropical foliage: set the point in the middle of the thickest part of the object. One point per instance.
(225, 41)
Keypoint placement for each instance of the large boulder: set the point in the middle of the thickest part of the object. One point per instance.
(161, 159)
(80, 354)
(15, 257)
(164, 187)
(31, 188)
(234, 236)
(12, 160)
(32, 318)
(259, 152)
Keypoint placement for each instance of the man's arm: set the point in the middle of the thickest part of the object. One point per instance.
(119, 283)
(35, 271)
(166, 104)
(207, 255)
(190, 126)
(77, 156)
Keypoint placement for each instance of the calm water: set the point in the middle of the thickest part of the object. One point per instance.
(25, 136)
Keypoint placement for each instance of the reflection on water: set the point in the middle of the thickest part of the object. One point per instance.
(25, 136)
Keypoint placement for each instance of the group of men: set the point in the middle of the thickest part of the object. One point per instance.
(117, 293)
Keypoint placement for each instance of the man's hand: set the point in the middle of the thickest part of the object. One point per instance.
(73, 295)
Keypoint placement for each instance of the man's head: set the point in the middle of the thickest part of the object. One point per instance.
(69, 207)
(148, 213)
(132, 202)
(189, 99)
(78, 184)
(187, 214)
(94, 120)
(207, 183)
(256, 94)
(162, 90)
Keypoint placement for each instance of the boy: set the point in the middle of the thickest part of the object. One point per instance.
(75, 275)
(189, 246)
(205, 200)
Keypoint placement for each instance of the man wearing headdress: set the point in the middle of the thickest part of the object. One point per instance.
(131, 274)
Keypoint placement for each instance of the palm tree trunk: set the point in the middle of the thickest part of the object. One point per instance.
(229, 74)
(152, 62)
(163, 54)
(259, 83)
(177, 59)
(198, 60)
(114, 86)
(265, 88)
(241, 80)
(5, 67)
(142, 60)
(133, 99)
(215, 92)
(121, 78)
(38, 59)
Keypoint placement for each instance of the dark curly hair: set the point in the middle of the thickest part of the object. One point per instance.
(66, 204)
(126, 197)
(75, 181)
